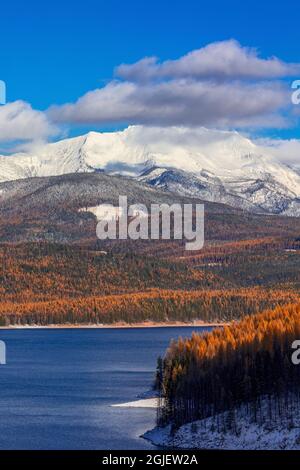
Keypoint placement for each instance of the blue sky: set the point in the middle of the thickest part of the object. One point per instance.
(55, 53)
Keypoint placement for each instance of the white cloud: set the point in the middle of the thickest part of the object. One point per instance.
(179, 102)
(18, 121)
(285, 151)
(220, 85)
(219, 60)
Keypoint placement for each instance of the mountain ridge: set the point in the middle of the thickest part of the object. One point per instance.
(218, 166)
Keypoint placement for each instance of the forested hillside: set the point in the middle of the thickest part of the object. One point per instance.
(246, 365)
(54, 209)
(43, 283)
(53, 269)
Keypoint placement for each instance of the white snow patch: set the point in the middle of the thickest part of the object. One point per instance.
(145, 403)
(110, 212)
(104, 212)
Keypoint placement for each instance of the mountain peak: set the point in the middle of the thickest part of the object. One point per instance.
(223, 156)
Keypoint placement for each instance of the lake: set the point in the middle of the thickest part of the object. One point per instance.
(58, 386)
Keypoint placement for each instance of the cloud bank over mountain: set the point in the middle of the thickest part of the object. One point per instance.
(222, 85)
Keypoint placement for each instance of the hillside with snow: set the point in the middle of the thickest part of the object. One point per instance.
(217, 166)
(209, 433)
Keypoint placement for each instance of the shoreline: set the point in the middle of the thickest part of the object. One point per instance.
(118, 325)
(266, 436)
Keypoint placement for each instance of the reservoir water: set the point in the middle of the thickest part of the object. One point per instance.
(58, 385)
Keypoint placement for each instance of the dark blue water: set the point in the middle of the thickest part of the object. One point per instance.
(58, 386)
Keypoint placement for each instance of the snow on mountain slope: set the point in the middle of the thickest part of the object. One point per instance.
(219, 166)
(203, 185)
(66, 156)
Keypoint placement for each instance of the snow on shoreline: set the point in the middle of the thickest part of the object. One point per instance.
(204, 434)
(143, 403)
(116, 325)
(284, 435)
(147, 399)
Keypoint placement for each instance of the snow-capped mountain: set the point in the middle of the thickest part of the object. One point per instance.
(219, 166)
